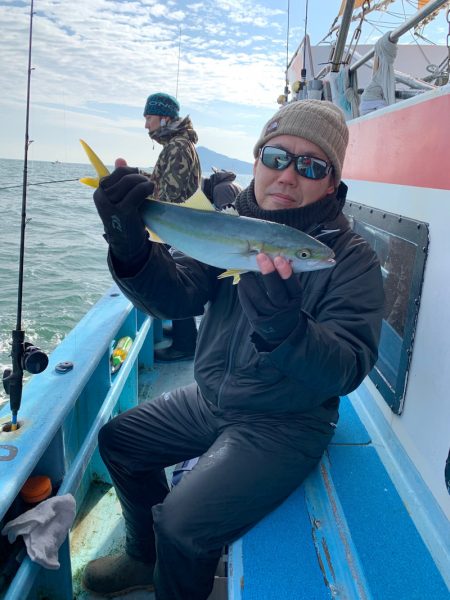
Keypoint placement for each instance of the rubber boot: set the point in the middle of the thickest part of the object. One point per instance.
(118, 574)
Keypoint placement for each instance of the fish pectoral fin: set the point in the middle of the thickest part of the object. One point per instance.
(153, 237)
(199, 201)
(90, 181)
(98, 165)
(234, 273)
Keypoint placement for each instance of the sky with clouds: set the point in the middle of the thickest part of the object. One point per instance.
(95, 61)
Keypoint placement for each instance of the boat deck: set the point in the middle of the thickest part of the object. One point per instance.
(339, 537)
(353, 530)
(99, 528)
(364, 512)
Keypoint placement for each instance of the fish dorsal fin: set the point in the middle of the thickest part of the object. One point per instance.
(234, 273)
(98, 165)
(199, 201)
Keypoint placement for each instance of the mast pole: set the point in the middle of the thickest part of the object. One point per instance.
(342, 36)
(305, 41)
(286, 80)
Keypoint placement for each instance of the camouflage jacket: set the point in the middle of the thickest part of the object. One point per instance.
(177, 173)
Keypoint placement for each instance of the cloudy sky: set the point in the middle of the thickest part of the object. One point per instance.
(95, 61)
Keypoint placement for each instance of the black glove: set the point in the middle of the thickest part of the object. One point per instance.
(272, 305)
(118, 199)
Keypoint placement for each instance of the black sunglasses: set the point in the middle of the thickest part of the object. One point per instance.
(306, 166)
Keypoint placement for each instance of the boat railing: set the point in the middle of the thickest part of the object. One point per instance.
(63, 409)
(394, 36)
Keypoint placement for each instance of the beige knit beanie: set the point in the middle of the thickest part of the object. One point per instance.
(317, 121)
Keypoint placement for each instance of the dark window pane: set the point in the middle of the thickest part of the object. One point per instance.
(401, 245)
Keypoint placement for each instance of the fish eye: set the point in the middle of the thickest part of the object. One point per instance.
(303, 253)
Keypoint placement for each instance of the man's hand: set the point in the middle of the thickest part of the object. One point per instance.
(118, 199)
(279, 264)
(272, 301)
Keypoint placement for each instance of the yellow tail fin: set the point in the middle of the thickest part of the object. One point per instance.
(98, 165)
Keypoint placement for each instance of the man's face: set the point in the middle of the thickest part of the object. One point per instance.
(153, 122)
(275, 190)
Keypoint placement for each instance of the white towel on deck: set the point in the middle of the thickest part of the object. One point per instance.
(44, 528)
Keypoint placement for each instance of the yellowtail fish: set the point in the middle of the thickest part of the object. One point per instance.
(223, 240)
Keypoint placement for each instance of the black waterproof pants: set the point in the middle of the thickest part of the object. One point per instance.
(249, 464)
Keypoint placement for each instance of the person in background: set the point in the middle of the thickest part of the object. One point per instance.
(221, 188)
(274, 354)
(176, 176)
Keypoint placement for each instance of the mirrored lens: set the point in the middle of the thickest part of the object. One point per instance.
(312, 168)
(275, 158)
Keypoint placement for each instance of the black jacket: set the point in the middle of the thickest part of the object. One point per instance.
(328, 358)
(221, 188)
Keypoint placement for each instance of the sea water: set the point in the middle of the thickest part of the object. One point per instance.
(65, 269)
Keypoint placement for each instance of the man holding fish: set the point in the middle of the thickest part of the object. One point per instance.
(274, 352)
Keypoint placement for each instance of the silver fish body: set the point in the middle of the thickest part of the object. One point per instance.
(230, 242)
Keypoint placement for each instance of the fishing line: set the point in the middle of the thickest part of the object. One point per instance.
(10, 187)
(40, 183)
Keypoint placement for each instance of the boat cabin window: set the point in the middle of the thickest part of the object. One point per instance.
(402, 246)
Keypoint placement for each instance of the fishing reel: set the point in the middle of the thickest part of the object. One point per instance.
(31, 359)
(34, 360)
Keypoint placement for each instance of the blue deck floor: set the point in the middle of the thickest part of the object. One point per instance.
(354, 538)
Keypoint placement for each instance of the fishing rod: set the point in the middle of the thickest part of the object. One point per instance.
(25, 356)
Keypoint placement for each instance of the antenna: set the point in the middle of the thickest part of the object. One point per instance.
(25, 356)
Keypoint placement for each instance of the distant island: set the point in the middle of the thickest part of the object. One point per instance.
(209, 159)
